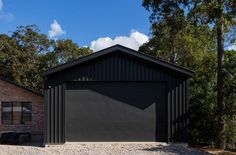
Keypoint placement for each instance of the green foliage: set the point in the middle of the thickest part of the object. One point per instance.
(203, 101)
(230, 133)
(187, 32)
(218, 15)
(67, 50)
(229, 93)
(191, 43)
(209, 12)
(31, 46)
(230, 98)
(28, 52)
(194, 48)
(19, 55)
(8, 55)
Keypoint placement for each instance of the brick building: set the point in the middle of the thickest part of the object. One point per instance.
(21, 108)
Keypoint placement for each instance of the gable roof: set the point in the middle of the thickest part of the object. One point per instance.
(114, 48)
(21, 86)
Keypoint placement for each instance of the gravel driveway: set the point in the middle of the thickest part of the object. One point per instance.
(97, 149)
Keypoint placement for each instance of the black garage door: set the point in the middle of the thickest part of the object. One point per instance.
(115, 111)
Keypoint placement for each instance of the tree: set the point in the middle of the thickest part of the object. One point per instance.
(9, 52)
(199, 55)
(181, 46)
(167, 21)
(27, 52)
(217, 15)
(229, 68)
(67, 50)
(203, 101)
(32, 45)
(24, 54)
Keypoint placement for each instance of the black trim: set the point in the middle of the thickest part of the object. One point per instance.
(125, 50)
(21, 86)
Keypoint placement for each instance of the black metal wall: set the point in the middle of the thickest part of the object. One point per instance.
(117, 67)
(116, 111)
(55, 115)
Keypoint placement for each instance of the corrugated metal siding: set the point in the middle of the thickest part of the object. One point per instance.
(111, 67)
(117, 67)
(55, 120)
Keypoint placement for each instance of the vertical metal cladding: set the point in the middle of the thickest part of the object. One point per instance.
(116, 67)
(55, 130)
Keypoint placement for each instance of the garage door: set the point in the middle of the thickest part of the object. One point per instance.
(115, 111)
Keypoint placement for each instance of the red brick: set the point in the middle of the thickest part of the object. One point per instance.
(11, 92)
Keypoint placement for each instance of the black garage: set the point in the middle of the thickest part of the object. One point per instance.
(116, 94)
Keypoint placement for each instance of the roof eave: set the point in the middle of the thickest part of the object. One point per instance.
(21, 86)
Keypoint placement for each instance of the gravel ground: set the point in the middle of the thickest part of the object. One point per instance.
(100, 149)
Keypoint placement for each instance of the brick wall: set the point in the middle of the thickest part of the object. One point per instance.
(11, 92)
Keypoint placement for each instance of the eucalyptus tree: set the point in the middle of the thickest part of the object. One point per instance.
(170, 17)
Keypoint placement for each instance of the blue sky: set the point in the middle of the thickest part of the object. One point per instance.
(80, 20)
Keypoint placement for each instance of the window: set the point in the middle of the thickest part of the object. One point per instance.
(26, 112)
(7, 112)
(16, 112)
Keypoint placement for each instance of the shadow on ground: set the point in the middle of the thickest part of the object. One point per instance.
(33, 144)
(175, 149)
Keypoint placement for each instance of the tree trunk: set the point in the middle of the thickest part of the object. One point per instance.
(220, 78)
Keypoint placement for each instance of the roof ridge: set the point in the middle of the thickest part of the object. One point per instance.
(123, 49)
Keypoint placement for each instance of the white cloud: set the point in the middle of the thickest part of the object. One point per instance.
(1, 5)
(56, 30)
(133, 41)
(5, 16)
(233, 47)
